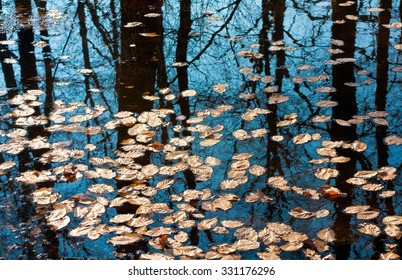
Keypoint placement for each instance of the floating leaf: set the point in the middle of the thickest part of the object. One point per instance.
(392, 220)
(387, 173)
(220, 88)
(326, 103)
(291, 246)
(387, 194)
(329, 152)
(229, 184)
(125, 239)
(327, 235)
(231, 223)
(59, 223)
(356, 209)
(372, 187)
(121, 218)
(393, 231)
(158, 231)
(389, 256)
(246, 245)
(299, 213)
(326, 173)
(268, 256)
(101, 188)
(189, 93)
(365, 174)
(369, 229)
(207, 224)
(302, 138)
(258, 196)
(164, 184)
(367, 215)
(322, 213)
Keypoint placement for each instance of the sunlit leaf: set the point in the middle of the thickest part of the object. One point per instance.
(121, 218)
(299, 213)
(125, 239)
(327, 235)
(101, 188)
(356, 209)
(302, 138)
(372, 187)
(326, 173)
(164, 184)
(392, 220)
(393, 231)
(246, 245)
(369, 229)
(158, 231)
(291, 246)
(207, 224)
(220, 88)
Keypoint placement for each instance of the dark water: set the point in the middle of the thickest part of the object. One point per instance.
(200, 129)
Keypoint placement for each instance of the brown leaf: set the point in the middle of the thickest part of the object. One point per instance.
(299, 213)
(246, 245)
(370, 229)
(367, 215)
(327, 235)
(207, 224)
(326, 173)
(124, 239)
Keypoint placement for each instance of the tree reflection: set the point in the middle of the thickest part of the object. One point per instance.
(346, 108)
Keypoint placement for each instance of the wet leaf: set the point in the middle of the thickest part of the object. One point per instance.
(387, 173)
(326, 173)
(327, 235)
(229, 184)
(246, 233)
(392, 220)
(291, 246)
(389, 256)
(356, 209)
(125, 239)
(299, 213)
(207, 224)
(164, 184)
(121, 218)
(369, 229)
(302, 138)
(367, 215)
(268, 256)
(326, 103)
(231, 223)
(158, 231)
(220, 88)
(101, 189)
(322, 213)
(372, 187)
(387, 194)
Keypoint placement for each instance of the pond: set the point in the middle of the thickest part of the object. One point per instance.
(232, 129)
